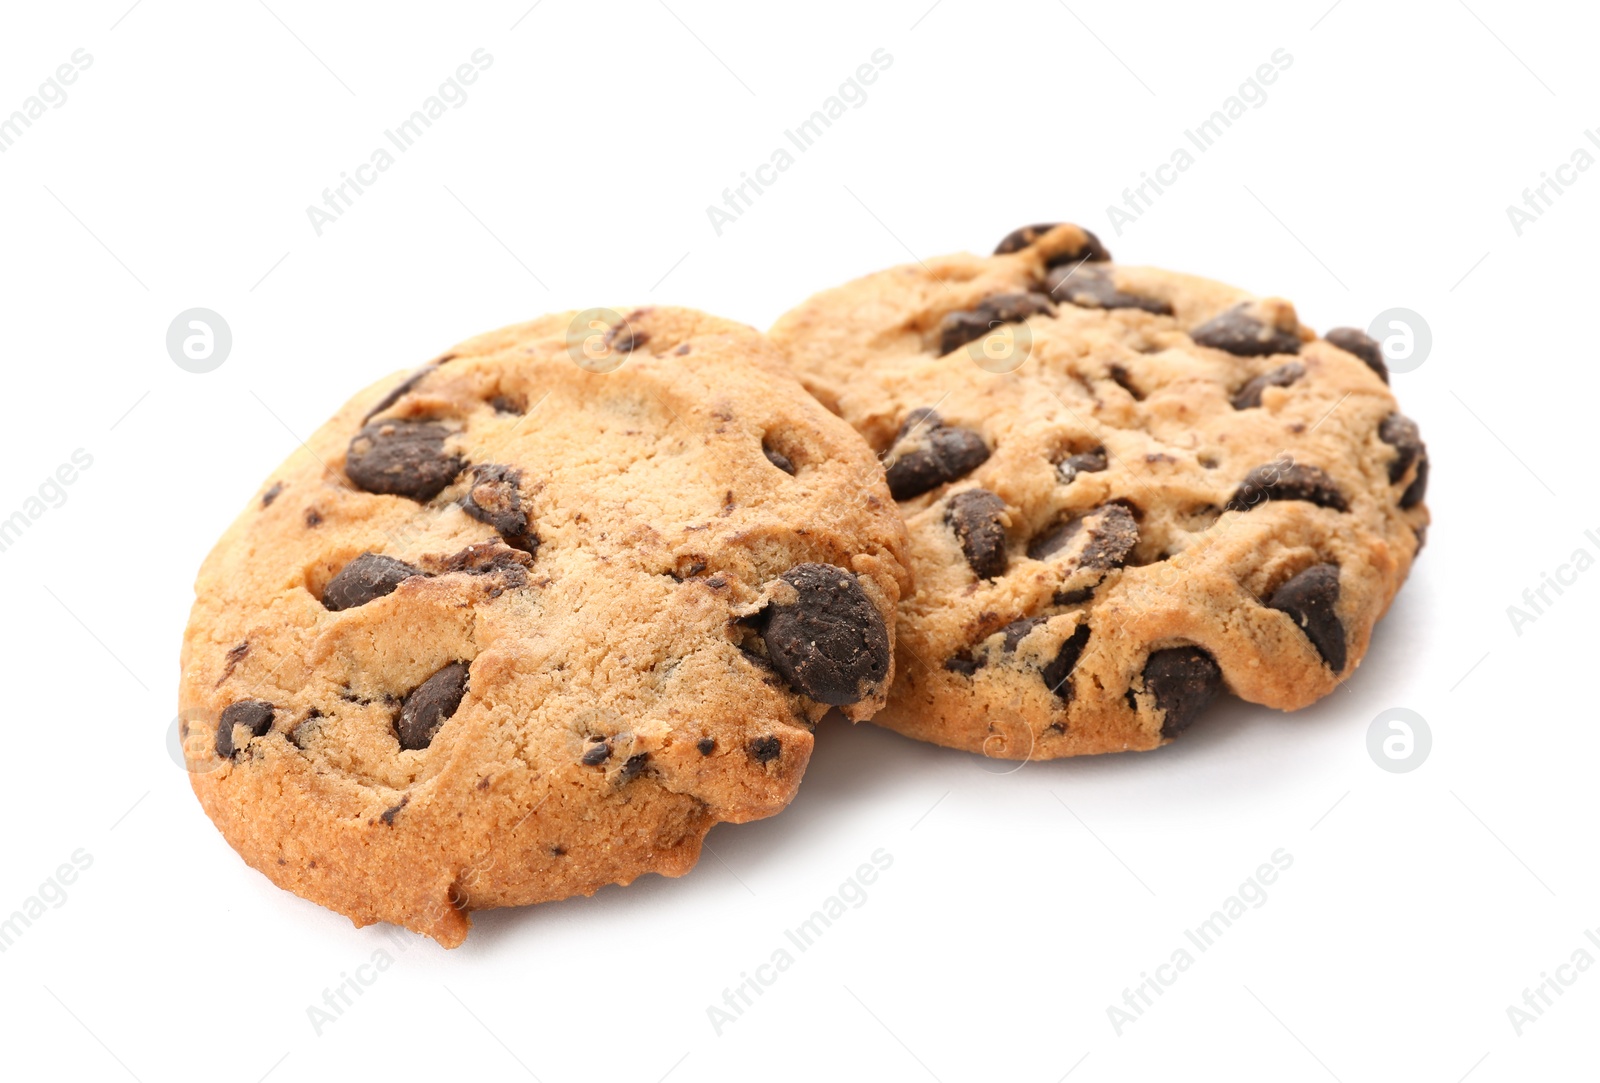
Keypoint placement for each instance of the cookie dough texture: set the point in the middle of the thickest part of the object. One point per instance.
(1127, 490)
(499, 633)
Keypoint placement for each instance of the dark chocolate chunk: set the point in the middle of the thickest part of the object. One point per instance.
(1015, 632)
(302, 732)
(765, 749)
(706, 745)
(402, 458)
(923, 417)
(1287, 480)
(597, 753)
(254, 715)
(313, 517)
(959, 328)
(1402, 434)
(1124, 379)
(368, 576)
(507, 404)
(1072, 597)
(495, 499)
(1311, 599)
(1112, 534)
(395, 393)
(964, 663)
(1363, 345)
(1419, 485)
(633, 766)
(392, 811)
(1060, 668)
(489, 558)
(1089, 286)
(624, 339)
(778, 459)
(1249, 396)
(1239, 332)
(1024, 237)
(1183, 681)
(830, 642)
(430, 704)
(231, 660)
(929, 455)
(977, 517)
(271, 494)
(1084, 462)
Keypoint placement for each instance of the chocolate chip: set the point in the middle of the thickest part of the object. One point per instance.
(1026, 236)
(597, 754)
(1363, 345)
(765, 749)
(977, 517)
(706, 745)
(1072, 597)
(430, 704)
(1239, 332)
(390, 813)
(254, 715)
(964, 663)
(1111, 531)
(507, 404)
(830, 642)
(1402, 434)
(231, 660)
(402, 458)
(494, 498)
(302, 732)
(1249, 396)
(927, 457)
(1023, 237)
(624, 339)
(1089, 286)
(923, 417)
(1123, 379)
(1015, 632)
(313, 517)
(271, 494)
(778, 459)
(410, 382)
(1183, 681)
(633, 766)
(368, 576)
(1084, 462)
(959, 328)
(1061, 666)
(1287, 480)
(489, 558)
(1418, 487)
(1311, 599)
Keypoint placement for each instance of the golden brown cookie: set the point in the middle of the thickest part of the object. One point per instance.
(1126, 490)
(534, 618)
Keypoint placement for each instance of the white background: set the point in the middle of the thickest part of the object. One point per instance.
(1018, 907)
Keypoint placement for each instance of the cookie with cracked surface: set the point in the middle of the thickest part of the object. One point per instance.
(1128, 491)
(550, 627)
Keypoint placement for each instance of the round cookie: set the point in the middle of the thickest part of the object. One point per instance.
(1126, 489)
(518, 626)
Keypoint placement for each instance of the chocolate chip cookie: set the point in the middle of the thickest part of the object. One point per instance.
(534, 618)
(1127, 490)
